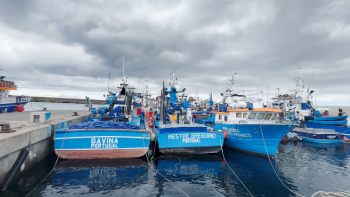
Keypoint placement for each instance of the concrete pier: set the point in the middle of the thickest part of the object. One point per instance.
(36, 137)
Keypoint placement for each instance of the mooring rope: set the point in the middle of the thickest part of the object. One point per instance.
(232, 170)
(53, 165)
(268, 156)
(148, 173)
(156, 171)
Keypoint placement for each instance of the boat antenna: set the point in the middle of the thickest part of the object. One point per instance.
(123, 49)
(311, 79)
(109, 76)
(138, 83)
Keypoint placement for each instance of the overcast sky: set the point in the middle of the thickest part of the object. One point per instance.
(66, 49)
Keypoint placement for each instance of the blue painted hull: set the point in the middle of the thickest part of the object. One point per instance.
(248, 137)
(101, 143)
(10, 107)
(328, 118)
(189, 140)
(330, 122)
(320, 138)
(338, 129)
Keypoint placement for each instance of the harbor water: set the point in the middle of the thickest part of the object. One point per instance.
(304, 167)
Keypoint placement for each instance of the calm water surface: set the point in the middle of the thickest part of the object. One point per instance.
(304, 167)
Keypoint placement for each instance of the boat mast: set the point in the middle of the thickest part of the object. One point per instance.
(123, 53)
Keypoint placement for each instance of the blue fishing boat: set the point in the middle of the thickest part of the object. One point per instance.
(319, 135)
(345, 130)
(114, 131)
(330, 118)
(257, 131)
(299, 104)
(175, 130)
(253, 130)
(10, 103)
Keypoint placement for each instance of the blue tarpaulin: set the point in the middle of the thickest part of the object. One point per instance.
(104, 125)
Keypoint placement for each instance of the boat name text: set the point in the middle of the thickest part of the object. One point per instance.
(110, 142)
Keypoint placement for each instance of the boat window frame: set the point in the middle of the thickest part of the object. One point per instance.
(274, 116)
(239, 114)
(245, 115)
(252, 117)
(261, 117)
(267, 115)
(225, 118)
(220, 117)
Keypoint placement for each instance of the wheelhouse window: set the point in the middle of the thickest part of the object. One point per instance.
(238, 115)
(268, 116)
(245, 115)
(261, 116)
(220, 117)
(225, 118)
(274, 116)
(252, 116)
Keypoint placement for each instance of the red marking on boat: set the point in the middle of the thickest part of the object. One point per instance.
(101, 153)
(200, 115)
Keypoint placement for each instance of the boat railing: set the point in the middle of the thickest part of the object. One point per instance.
(7, 84)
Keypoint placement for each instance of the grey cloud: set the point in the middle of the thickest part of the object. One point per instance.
(266, 41)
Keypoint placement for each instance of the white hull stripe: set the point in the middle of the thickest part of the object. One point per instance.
(101, 149)
(102, 137)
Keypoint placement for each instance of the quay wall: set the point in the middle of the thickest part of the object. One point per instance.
(37, 138)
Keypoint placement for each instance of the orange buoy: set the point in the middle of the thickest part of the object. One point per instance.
(225, 134)
(19, 108)
(151, 124)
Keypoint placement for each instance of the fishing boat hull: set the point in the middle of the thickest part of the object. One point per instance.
(189, 140)
(330, 118)
(328, 122)
(10, 107)
(248, 137)
(101, 143)
(339, 129)
(319, 135)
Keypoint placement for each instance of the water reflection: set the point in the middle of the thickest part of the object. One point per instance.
(303, 167)
(99, 175)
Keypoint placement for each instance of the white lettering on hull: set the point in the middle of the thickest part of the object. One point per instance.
(191, 137)
(235, 132)
(107, 143)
